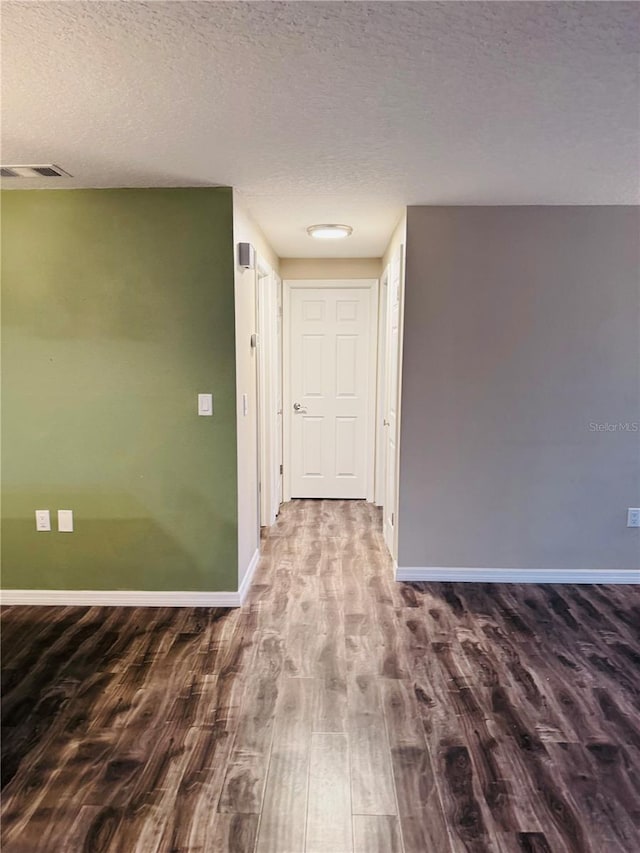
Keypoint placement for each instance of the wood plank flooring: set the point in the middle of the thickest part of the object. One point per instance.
(337, 712)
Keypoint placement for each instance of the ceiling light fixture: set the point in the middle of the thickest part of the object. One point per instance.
(329, 232)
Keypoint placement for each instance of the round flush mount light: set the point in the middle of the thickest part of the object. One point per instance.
(329, 232)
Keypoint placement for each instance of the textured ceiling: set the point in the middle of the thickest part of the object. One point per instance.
(330, 111)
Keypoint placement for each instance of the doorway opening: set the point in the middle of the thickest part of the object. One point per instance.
(328, 390)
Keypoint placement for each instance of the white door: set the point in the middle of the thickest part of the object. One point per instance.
(331, 367)
(391, 420)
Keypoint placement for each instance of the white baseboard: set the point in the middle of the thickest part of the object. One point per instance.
(130, 597)
(434, 573)
(248, 576)
(118, 598)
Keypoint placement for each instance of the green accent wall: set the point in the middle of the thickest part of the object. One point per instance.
(118, 309)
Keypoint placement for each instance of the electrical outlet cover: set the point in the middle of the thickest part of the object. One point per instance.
(633, 517)
(65, 521)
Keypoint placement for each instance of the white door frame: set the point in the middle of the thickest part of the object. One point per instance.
(288, 286)
(269, 457)
(395, 277)
(381, 392)
(278, 467)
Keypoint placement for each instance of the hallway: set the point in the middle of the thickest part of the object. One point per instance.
(337, 711)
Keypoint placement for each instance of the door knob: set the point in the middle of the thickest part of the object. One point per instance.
(297, 407)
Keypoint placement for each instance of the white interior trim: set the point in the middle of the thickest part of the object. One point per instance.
(119, 598)
(131, 597)
(402, 260)
(381, 395)
(435, 573)
(268, 382)
(395, 275)
(248, 576)
(373, 378)
(286, 395)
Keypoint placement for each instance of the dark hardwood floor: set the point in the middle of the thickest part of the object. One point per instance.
(337, 712)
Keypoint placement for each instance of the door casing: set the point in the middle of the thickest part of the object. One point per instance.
(381, 392)
(269, 392)
(393, 396)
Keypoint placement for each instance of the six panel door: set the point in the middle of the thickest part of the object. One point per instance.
(330, 363)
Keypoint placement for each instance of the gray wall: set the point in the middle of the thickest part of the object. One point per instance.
(521, 338)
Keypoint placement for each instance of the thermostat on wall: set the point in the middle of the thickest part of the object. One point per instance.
(246, 256)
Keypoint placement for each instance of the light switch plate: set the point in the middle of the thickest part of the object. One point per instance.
(205, 405)
(65, 521)
(43, 520)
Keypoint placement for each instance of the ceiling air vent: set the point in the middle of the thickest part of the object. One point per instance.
(48, 170)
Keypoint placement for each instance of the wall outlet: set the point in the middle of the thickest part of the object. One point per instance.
(65, 521)
(43, 520)
(633, 517)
